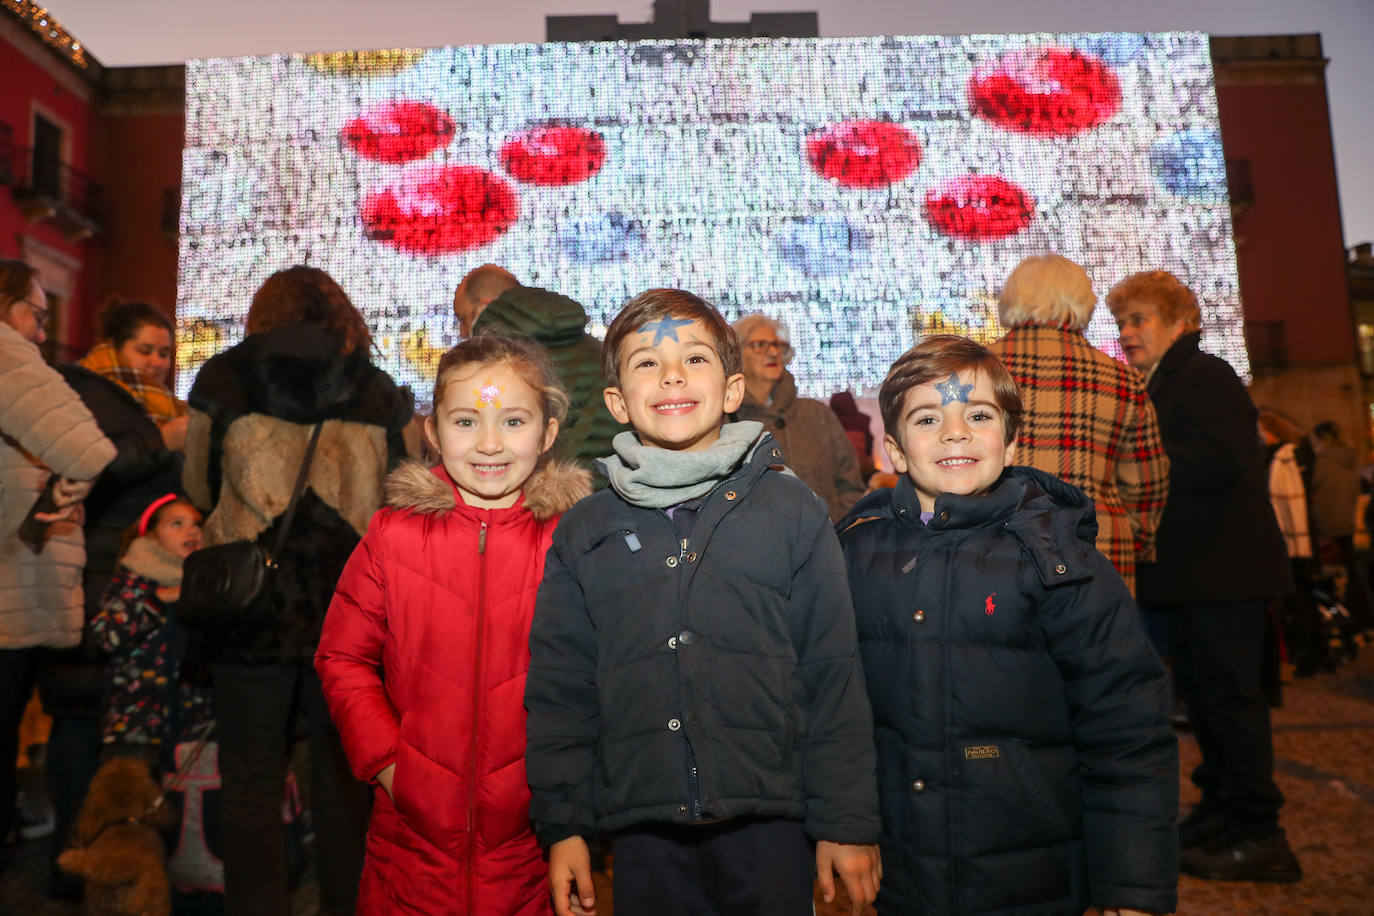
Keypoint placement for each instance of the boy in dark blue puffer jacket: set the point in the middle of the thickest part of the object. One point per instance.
(1025, 758)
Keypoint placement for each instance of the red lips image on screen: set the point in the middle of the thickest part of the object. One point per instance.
(441, 209)
(398, 131)
(553, 155)
(1046, 92)
(863, 154)
(979, 207)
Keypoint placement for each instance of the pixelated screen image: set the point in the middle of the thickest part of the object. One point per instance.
(866, 191)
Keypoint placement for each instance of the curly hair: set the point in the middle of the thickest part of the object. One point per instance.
(1167, 293)
(307, 295)
(1047, 289)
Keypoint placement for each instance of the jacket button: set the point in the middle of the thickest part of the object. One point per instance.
(672, 642)
(902, 511)
(944, 515)
(681, 809)
(1061, 569)
(730, 494)
(686, 637)
(777, 453)
(919, 786)
(919, 616)
(691, 558)
(671, 562)
(674, 725)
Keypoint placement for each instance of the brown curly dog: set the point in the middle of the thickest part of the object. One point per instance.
(116, 845)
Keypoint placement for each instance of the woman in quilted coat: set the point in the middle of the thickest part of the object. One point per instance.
(426, 644)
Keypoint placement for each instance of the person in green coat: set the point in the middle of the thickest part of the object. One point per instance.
(491, 296)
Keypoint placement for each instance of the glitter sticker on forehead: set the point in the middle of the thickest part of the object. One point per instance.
(488, 394)
(950, 390)
(664, 327)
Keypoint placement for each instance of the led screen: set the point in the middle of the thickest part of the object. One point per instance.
(866, 191)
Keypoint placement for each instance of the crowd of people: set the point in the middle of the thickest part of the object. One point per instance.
(640, 593)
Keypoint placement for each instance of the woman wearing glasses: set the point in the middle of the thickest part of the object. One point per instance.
(813, 442)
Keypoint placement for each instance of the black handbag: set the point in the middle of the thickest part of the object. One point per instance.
(229, 586)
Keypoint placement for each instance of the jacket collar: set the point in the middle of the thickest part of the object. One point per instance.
(1175, 357)
(784, 394)
(549, 492)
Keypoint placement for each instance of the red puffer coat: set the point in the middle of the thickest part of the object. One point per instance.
(423, 660)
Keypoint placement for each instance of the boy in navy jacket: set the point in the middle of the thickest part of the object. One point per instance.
(1025, 758)
(694, 686)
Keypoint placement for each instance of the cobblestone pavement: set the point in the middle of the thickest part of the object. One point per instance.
(1324, 749)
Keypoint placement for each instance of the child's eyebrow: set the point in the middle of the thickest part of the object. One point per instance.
(933, 405)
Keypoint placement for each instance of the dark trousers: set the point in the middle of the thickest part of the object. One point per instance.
(72, 757)
(16, 686)
(1217, 650)
(255, 708)
(746, 867)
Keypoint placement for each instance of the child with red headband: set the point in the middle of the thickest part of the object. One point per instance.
(152, 698)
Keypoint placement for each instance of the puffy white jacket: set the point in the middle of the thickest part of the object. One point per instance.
(44, 430)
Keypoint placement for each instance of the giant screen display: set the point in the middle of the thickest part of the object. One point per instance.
(866, 191)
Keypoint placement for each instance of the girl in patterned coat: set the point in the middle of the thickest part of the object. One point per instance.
(153, 698)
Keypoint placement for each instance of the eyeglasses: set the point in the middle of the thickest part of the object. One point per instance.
(40, 315)
(780, 347)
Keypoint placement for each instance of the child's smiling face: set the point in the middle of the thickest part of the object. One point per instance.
(951, 437)
(673, 388)
(178, 529)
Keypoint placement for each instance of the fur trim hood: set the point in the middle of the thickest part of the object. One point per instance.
(550, 491)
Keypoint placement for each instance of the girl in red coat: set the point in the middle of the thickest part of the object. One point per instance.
(426, 644)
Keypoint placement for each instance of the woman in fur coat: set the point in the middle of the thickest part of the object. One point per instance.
(253, 408)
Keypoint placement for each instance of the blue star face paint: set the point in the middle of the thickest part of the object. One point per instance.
(950, 390)
(664, 327)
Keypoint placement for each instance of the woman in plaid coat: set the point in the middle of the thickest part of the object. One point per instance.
(1088, 418)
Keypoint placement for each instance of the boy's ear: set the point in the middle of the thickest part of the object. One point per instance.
(550, 434)
(1009, 454)
(894, 454)
(432, 433)
(615, 403)
(734, 392)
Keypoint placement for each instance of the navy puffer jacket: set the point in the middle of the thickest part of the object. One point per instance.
(1025, 759)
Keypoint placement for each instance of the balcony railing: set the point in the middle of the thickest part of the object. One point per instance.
(48, 188)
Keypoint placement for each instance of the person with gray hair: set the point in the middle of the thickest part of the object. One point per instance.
(813, 440)
(1088, 419)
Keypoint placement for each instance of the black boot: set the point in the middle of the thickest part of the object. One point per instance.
(1248, 859)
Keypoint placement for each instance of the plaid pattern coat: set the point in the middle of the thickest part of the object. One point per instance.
(1089, 421)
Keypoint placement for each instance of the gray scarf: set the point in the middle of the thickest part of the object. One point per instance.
(656, 478)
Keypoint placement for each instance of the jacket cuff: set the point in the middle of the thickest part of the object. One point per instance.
(1147, 899)
(548, 834)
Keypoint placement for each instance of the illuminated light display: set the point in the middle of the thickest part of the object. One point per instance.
(866, 191)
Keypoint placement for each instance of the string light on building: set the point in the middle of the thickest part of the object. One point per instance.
(49, 29)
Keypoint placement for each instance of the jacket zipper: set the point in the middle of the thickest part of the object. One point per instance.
(476, 712)
(693, 781)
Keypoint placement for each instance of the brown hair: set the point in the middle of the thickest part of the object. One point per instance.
(307, 295)
(1167, 293)
(655, 304)
(934, 359)
(15, 279)
(524, 355)
(120, 320)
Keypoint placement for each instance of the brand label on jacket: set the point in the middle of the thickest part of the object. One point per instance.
(981, 752)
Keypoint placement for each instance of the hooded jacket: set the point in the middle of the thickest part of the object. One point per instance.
(423, 661)
(559, 324)
(44, 430)
(1025, 758)
(683, 680)
(815, 443)
(253, 408)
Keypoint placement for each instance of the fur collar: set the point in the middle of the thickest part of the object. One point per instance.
(550, 491)
(149, 559)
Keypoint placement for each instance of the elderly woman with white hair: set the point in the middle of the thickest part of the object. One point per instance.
(814, 444)
(1088, 418)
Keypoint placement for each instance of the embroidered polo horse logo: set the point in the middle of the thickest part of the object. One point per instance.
(989, 605)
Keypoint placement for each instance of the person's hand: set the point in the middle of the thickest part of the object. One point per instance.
(174, 434)
(67, 492)
(859, 867)
(384, 777)
(570, 867)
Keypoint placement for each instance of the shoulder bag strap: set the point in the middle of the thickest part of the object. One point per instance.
(296, 493)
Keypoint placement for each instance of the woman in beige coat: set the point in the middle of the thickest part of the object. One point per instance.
(45, 430)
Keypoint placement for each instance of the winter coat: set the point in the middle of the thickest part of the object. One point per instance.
(423, 661)
(44, 430)
(253, 409)
(1025, 758)
(815, 443)
(1089, 422)
(693, 679)
(1218, 539)
(1335, 490)
(154, 693)
(559, 325)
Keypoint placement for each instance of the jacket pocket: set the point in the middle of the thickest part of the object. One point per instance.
(429, 799)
